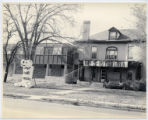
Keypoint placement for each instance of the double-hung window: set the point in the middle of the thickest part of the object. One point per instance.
(111, 53)
(57, 50)
(94, 52)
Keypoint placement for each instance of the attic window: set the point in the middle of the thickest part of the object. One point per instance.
(113, 35)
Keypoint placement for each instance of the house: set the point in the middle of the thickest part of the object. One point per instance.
(102, 57)
(106, 56)
(51, 59)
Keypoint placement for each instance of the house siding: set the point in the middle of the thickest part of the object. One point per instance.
(101, 51)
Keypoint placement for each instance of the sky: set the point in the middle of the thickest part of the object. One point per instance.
(102, 17)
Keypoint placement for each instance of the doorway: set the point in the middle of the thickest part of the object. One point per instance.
(103, 74)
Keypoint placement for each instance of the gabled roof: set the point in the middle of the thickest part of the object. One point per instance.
(113, 29)
(131, 34)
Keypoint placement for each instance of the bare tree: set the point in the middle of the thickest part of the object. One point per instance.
(36, 23)
(9, 57)
(139, 12)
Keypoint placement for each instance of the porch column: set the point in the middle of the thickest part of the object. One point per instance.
(47, 67)
(73, 74)
(65, 68)
(120, 74)
(78, 71)
(83, 72)
(65, 71)
(49, 70)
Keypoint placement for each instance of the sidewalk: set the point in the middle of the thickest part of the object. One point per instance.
(78, 95)
(77, 102)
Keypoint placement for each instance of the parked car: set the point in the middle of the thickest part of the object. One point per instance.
(114, 84)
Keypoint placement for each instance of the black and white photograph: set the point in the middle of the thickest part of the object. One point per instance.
(74, 60)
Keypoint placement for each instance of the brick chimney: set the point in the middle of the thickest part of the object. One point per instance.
(86, 30)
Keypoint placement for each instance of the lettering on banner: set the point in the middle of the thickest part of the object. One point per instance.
(101, 63)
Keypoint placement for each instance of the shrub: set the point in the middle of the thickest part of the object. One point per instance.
(142, 85)
(135, 85)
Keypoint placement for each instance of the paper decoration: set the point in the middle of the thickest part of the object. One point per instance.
(27, 74)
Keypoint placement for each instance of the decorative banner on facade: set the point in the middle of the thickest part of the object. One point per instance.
(103, 63)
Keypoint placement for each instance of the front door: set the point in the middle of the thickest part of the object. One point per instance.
(103, 74)
(81, 73)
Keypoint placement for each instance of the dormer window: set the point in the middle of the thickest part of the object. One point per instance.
(114, 33)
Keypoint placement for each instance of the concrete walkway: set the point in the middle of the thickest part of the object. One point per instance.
(74, 101)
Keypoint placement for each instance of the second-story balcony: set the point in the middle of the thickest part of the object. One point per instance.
(54, 55)
(112, 57)
(50, 59)
(105, 63)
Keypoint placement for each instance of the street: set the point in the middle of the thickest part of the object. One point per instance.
(19, 108)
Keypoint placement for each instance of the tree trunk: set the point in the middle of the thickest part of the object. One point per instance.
(33, 53)
(6, 73)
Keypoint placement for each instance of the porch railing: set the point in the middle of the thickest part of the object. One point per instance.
(51, 59)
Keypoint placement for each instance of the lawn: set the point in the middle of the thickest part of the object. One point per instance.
(78, 92)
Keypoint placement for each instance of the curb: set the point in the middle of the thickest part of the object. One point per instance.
(77, 102)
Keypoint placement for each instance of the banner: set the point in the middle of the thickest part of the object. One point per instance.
(103, 63)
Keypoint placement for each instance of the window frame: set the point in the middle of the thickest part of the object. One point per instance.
(108, 51)
(130, 55)
(59, 48)
(113, 37)
(48, 50)
(92, 53)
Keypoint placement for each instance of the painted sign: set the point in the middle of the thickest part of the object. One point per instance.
(103, 63)
(27, 74)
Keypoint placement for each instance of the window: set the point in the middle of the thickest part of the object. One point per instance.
(111, 53)
(130, 54)
(48, 50)
(113, 35)
(45, 50)
(39, 51)
(57, 50)
(94, 52)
